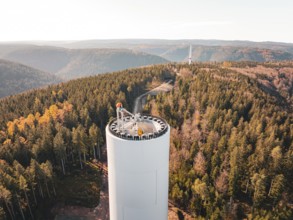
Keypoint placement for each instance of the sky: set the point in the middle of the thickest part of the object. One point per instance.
(52, 20)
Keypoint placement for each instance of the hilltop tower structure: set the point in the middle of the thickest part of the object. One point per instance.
(190, 55)
(138, 166)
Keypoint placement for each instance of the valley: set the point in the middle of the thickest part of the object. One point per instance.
(75, 63)
(63, 61)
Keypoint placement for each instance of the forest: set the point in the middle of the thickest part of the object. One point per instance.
(46, 132)
(231, 153)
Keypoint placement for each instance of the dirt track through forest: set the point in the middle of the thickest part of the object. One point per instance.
(141, 100)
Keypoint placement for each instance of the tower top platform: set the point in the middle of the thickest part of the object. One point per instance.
(138, 127)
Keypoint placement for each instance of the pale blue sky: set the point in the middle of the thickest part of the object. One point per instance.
(256, 20)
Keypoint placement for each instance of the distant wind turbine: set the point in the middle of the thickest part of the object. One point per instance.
(190, 52)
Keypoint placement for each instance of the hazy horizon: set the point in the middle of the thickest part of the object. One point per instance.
(258, 21)
(136, 39)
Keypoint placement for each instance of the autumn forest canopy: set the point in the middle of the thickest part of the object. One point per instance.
(231, 153)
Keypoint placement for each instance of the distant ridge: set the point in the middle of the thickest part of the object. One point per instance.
(133, 43)
(75, 63)
(204, 50)
(75, 59)
(223, 53)
(16, 78)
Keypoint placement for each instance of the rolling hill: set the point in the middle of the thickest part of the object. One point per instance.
(93, 61)
(224, 53)
(16, 78)
(230, 147)
(203, 50)
(74, 63)
(70, 60)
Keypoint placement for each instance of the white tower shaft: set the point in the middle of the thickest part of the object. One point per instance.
(190, 54)
(138, 166)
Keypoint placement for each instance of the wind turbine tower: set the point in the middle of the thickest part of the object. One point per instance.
(190, 53)
(138, 166)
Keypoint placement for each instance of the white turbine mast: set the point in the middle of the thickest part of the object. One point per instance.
(190, 54)
(138, 149)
